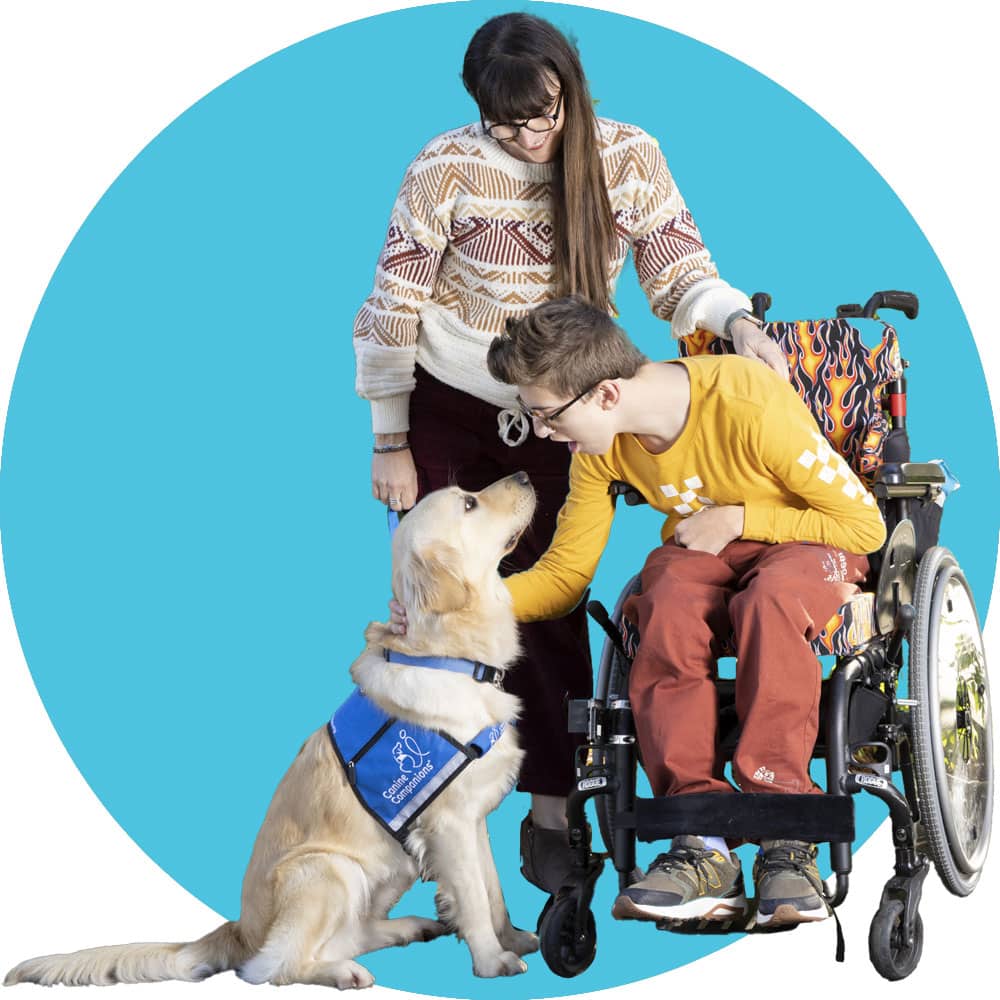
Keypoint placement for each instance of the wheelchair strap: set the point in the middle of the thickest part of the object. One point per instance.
(756, 817)
(840, 936)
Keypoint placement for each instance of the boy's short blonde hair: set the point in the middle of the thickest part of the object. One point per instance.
(566, 345)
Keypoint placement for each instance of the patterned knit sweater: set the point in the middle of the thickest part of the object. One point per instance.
(470, 244)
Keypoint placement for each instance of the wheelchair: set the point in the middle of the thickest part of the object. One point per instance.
(927, 719)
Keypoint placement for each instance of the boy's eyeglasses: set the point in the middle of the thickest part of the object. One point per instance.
(546, 418)
(508, 131)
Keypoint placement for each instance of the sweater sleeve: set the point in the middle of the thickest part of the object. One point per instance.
(557, 582)
(674, 267)
(386, 326)
(839, 510)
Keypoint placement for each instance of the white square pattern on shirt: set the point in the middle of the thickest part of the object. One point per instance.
(832, 466)
(688, 496)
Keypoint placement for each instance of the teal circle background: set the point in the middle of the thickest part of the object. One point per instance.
(190, 545)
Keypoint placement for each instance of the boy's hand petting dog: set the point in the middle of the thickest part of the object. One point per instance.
(710, 529)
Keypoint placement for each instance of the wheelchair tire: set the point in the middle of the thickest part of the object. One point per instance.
(893, 957)
(541, 916)
(951, 731)
(566, 953)
(604, 805)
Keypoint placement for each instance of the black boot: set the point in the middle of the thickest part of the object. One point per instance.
(545, 856)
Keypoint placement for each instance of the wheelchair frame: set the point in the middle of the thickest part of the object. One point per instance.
(866, 733)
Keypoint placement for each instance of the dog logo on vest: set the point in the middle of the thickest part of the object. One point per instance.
(407, 754)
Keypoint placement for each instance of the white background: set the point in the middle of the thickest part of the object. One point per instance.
(85, 86)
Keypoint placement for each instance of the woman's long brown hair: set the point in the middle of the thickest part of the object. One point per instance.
(505, 70)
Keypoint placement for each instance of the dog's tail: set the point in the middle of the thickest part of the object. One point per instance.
(137, 963)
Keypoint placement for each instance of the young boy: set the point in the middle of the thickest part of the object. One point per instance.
(765, 534)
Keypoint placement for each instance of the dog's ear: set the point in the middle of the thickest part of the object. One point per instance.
(432, 583)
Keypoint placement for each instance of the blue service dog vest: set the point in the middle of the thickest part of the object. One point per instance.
(396, 768)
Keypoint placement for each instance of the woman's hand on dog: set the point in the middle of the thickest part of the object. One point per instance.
(710, 529)
(397, 617)
(394, 479)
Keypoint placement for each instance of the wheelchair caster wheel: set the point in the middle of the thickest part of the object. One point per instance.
(894, 957)
(565, 952)
(545, 911)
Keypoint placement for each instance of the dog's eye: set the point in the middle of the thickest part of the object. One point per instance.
(471, 503)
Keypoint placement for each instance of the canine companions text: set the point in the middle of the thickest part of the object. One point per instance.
(325, 871)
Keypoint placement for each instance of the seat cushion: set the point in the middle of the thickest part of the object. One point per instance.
(851, 626)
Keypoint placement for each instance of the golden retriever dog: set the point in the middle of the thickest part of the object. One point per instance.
(324, 874)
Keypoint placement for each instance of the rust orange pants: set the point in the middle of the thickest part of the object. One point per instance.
(773, 599)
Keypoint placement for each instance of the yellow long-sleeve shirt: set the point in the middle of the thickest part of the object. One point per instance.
(749, 440)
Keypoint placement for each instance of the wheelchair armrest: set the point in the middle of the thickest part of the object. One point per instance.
(618, 488)
(908, 479)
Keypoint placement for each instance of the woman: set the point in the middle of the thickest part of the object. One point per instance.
(536, 200)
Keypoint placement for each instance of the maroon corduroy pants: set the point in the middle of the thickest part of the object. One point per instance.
(774, 599)
(454, 440)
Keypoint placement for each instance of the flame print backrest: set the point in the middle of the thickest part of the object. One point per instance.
(841, 380)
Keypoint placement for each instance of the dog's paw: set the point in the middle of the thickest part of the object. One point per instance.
(348, 975)
(418, 929)
(433, 929)
(520, 942)
(504, 964)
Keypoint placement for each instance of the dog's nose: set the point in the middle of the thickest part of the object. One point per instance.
(521, 478)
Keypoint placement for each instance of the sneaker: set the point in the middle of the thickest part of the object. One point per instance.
(545, 856)
(688, 883)
(789, 889)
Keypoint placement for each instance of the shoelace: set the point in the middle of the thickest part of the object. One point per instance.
(794, 860)
(781, 859)
(682, 860)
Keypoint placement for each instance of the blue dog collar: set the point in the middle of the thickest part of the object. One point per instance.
(481, 672)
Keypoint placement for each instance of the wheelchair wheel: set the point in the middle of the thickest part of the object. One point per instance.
(894, 957)
(612, 685)
(541, 916)
(565, 952)
(604, 805)
(952, 739)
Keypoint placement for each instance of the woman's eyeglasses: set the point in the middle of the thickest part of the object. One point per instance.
(508, 131)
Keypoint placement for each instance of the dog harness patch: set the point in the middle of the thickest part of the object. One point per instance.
(396, 768)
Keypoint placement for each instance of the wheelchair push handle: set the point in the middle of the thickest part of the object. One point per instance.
(761, 302)
(906, 302)
(619, 488)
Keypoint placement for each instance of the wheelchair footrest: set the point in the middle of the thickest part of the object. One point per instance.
(750, 816)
